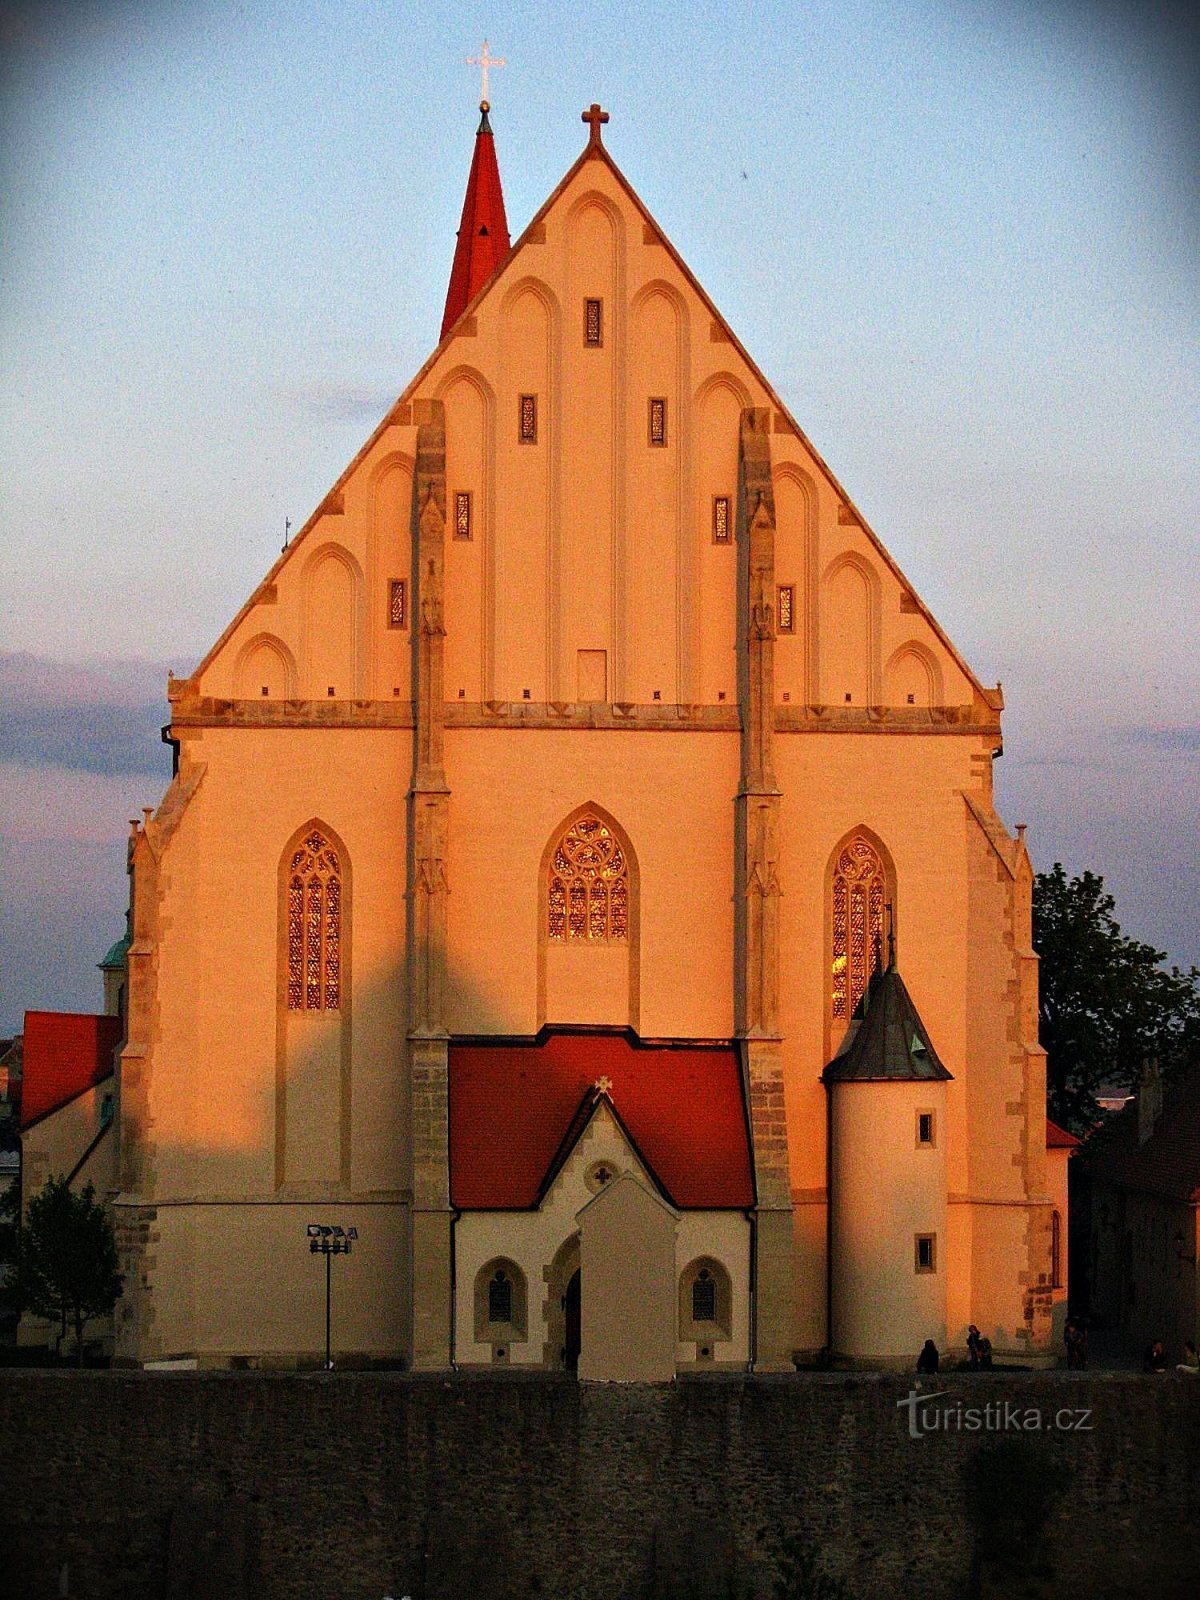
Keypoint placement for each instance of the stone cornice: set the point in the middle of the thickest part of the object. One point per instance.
(197, 712)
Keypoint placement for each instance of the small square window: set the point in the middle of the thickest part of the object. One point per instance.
(722, 529)
(925, 1128)
(462, 514)
(926, 1252)
(658, 422)
(786, 612)
(593, 322)
(527, 426)
(397, 603)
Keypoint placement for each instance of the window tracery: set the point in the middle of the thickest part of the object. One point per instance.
(314, 914)
(588, 892)
(858, 901)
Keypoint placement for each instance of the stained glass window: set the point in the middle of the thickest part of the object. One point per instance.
(314, 927)
(787, 608)
(588, 893)
(462, 514)
(658, 421)
(397, 603)
(721, 525)
(593, 324)
(527, 426)
(858, 899)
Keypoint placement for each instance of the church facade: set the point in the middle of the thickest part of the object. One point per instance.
(567, 799)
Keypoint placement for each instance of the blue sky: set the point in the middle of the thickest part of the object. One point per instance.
(961, 238)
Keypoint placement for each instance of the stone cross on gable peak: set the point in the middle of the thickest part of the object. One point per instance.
(483, 61)
(594, 117)
(603, 1085)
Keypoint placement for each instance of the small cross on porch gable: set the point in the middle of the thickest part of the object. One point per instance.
(595, 118)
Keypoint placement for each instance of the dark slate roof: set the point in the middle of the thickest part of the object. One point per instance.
(886, 1042)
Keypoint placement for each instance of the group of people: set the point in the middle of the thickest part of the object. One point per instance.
(1155, 1358)
(979, 1351)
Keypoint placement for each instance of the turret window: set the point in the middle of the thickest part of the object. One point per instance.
(926, 1252)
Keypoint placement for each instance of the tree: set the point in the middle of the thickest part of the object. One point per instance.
(67, 1259)
(1107, 1002)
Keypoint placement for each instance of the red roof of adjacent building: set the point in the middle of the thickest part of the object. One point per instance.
(483, 240)
(511, 1105)
(66, 1053)
(1058, 1138)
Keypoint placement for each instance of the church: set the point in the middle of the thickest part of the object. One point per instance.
(580, 878)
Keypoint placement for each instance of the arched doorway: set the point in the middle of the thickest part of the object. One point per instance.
(563, 1340)
(571, 1324)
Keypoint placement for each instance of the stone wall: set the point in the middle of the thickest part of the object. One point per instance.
(353, 1486)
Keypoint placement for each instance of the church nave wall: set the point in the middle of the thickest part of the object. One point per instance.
(229, 1049)
(672, 794)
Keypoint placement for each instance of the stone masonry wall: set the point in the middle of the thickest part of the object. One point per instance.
(355, 1486)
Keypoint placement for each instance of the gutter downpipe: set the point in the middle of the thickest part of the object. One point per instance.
(752, 1219)
(455, 1214)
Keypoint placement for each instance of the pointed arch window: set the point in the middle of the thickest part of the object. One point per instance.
(314, 918)
(587, 898)
(859, 893)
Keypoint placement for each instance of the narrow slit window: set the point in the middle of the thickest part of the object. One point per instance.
(398, 603)
(722, 531)
(787, 608)
(925, 1127)
(926, 1252)
(462, 514)
(527, 426)
(500, 1298)
(658, 422)
(593, 322)
(704, 1297)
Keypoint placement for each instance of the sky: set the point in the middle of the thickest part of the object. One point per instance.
(961, 237)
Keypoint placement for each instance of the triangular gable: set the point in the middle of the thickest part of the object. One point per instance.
(602, 1196)
(395, 415)
(593, 1102)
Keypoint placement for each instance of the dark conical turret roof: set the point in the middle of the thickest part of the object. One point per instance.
(886, 1042)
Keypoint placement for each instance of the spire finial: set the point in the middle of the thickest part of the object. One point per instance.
(595, 118)
(483, 61)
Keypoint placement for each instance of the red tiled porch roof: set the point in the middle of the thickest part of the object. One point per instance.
(66, 1052)
(512, 1104)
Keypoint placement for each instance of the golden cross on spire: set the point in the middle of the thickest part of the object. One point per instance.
(483, 61)
(594, 117)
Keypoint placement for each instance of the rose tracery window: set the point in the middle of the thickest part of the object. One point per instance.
(588, 897)
(314, 921)
(858, 900)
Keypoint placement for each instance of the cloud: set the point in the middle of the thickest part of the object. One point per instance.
(344, 402)
(99, 716)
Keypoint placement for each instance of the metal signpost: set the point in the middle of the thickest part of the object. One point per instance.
(329, 1240)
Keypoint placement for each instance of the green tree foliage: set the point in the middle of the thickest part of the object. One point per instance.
(1108, 1002)
(67, 1259)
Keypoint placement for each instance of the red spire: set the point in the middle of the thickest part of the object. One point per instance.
(483, 239)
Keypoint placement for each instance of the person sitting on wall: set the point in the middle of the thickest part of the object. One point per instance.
(927, 1361)
(1155, 1358)
(1191, 1361)
(973, 1338)
(1075, 1339)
